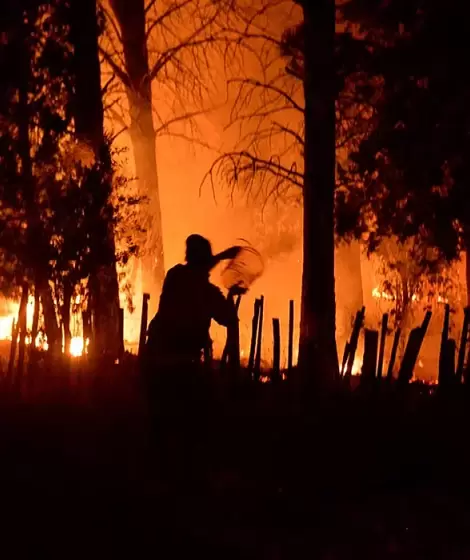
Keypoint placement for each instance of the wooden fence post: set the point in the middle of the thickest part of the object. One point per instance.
(231, 353)
(290, 347)
(443, 361)
(143, 323)
(254, 335)
(413, 347)
(369, 363)
(393, 355)
(354, 340)
(121, 334)
(257, 370)
(13, 346)
(276, 375)
(383, 338)
(463, 345)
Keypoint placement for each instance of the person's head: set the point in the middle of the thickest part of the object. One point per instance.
(198, 251)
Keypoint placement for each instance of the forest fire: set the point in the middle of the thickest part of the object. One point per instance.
(77, 348)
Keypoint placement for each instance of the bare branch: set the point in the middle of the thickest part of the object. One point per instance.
(171, 53)
(161, 19)
(269, 87)
(297, 137)
(178, 119)
(105, 88)
(117, 70)
(114, 136)
(110, 19)
(109, 106)
(241, 166)
(117, 117)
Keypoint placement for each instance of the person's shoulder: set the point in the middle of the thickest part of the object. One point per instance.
(175, 270)
(173, 275)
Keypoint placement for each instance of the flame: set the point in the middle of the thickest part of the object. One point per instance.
(378, 294)
(5, 327)
(77, 346)
(357, 366)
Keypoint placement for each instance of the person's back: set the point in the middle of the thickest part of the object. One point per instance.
(187, 305)
(180, 330)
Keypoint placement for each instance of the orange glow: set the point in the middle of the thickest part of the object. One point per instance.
(77, 345)
(357, 366)
(378, 294)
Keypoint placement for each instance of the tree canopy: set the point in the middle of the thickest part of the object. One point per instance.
(409, 176)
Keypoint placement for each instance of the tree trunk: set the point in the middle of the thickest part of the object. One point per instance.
(22, 323)
(467, 273)
(131, 19)
(51, 326)
(88, 114)
(349, 290)
(68, 292)
(317, 348)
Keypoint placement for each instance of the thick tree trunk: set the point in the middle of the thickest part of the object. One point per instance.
(349, 290)
(51, 326)
(88, 113)
(131, 19)
(317, 350)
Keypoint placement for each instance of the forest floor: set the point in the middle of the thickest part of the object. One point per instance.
(247, 474)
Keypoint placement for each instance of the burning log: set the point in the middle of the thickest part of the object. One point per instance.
(413, 347)
(276, 374)
(254, 335)
(143, 323)
(383, 337)
(463, 345)
(290, 347)
(257, 370)
(393, 355)
(369, 364)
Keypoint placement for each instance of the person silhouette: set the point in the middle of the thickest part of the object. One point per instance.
(179, 332)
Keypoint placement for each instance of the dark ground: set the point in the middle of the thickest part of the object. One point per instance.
(381, 476)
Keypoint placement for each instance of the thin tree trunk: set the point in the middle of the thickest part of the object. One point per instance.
(35, 325)
(88, 113)
(131, 19)
(33, 351)
(22, 323)
(467, 273)
(349, 290)
(317, 347)
(68, 290)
